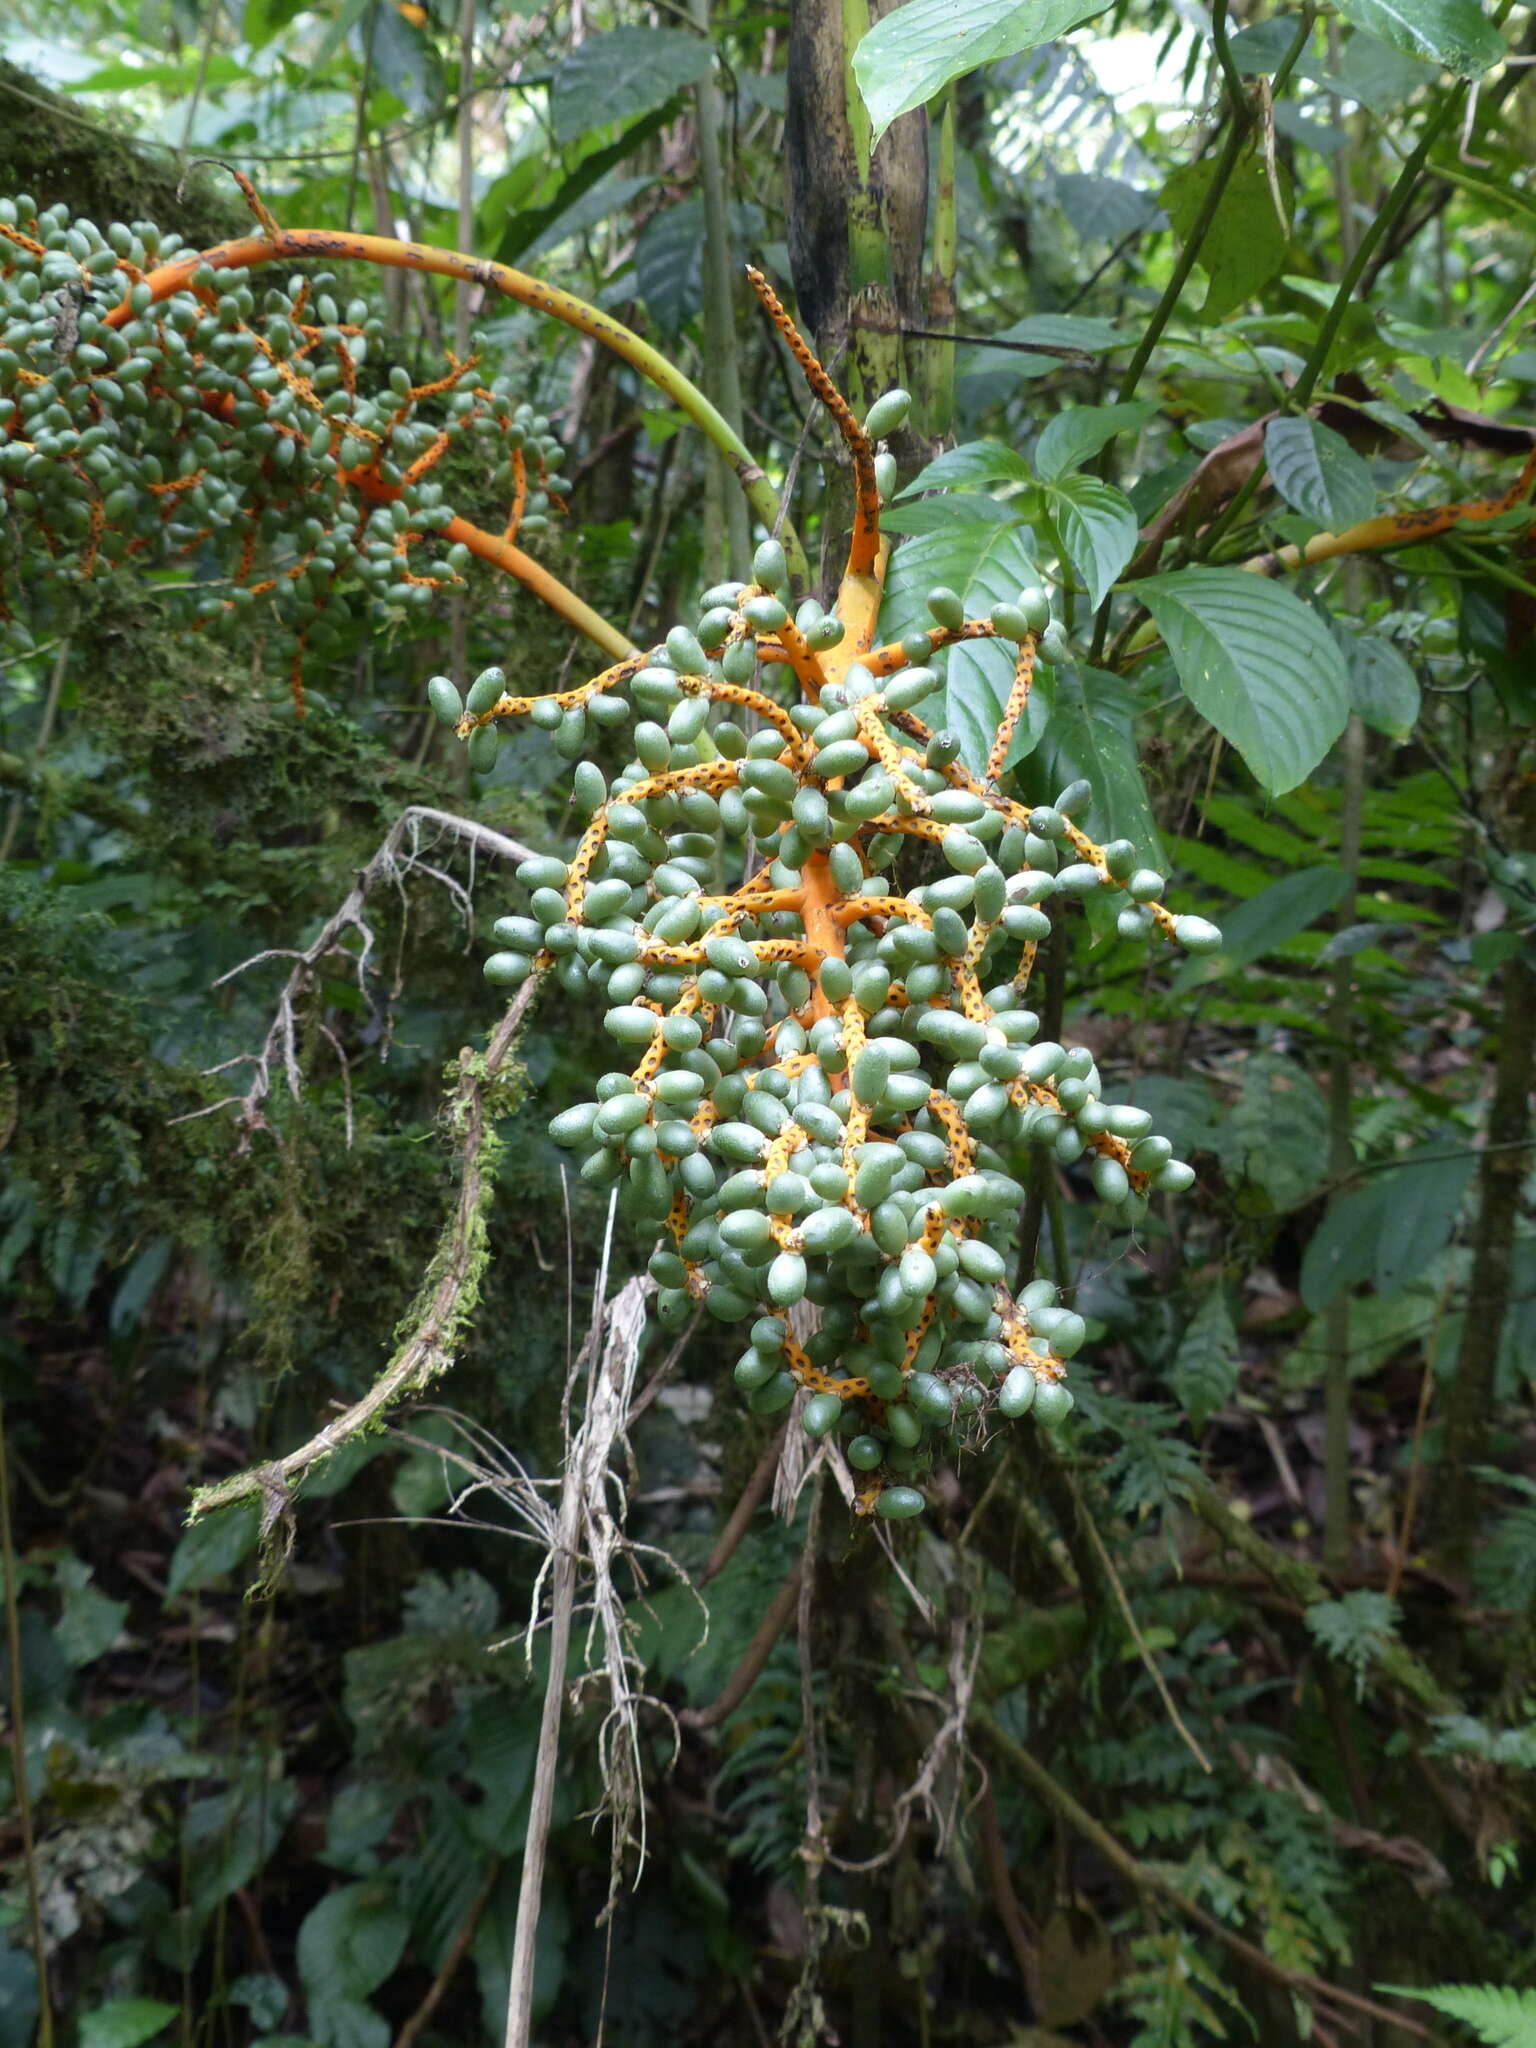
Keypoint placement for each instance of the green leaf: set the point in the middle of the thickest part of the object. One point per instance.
(1388, 1231)
(1098, 530)
(1256, 662)
(351, 1941)
(953, 508)
(1089, 734)
(582, 199)
(1205, 1366)
(1103, 209)
(987, 566)
(1074, 437)
(1276, 1138)
(669, 263)
(405, 59)
(621, 73)
(1355, 1629)
(212, 1546)
(125, 2022)
(1382, 686)
(1276, 914)
(1008, 353)
(1378, 76)
(1496, 2013)
(1380, 1325)
(89, 1625)
(917, 49)
(973, 462)
(1317, 472)
(227, 1837)
(1455, 33)
(1245, 244)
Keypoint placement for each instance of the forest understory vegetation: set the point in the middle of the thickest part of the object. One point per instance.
(620, 908)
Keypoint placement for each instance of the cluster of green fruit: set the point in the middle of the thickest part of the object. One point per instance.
(832, 1086)
(256, 435)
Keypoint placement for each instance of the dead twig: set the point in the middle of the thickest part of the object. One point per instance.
(398, 855)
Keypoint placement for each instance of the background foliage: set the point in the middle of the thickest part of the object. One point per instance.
(1247, 1662)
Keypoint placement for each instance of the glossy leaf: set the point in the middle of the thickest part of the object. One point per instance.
(1317, 472)
(986, 566)
(1075, 436)
(1091, 735)
(917, 49)
(1454, 33)
(623, 72)
(1098, 530)
(1256, 662)
(973, 462)
(1382, 686)
(669, 263)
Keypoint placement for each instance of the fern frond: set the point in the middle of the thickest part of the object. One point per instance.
(1497, 2014)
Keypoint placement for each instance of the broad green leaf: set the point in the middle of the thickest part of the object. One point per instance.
(227, 1837)
(125, 2022)
(1276, 1138)
(1205, 1365)
(210, 1547)
(1256, 662)
(917, 49)
(1098, 530)
(1378, 76)
(587, 196)
(1103, 209)
(1090, 735)
(1075, 436)
(952, 508)
(1276, 914)
(1388, 1230)
(1382, 686)
(89, 1625)
(1009, 352)
(1245, 244)
(623, 72)
(987, 566)
(405, 59)
(1317, 472)
(973, 462)
(351, 1941)
(669, 263)
(1455, 33)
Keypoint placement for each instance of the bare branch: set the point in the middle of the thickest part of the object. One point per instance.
(398, 856)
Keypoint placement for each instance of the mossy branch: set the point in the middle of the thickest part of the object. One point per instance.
(1395, 1664)
(447, 1299)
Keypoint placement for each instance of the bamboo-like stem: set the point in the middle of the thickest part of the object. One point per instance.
(306, 244)
(722, 371)
(934, 355)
